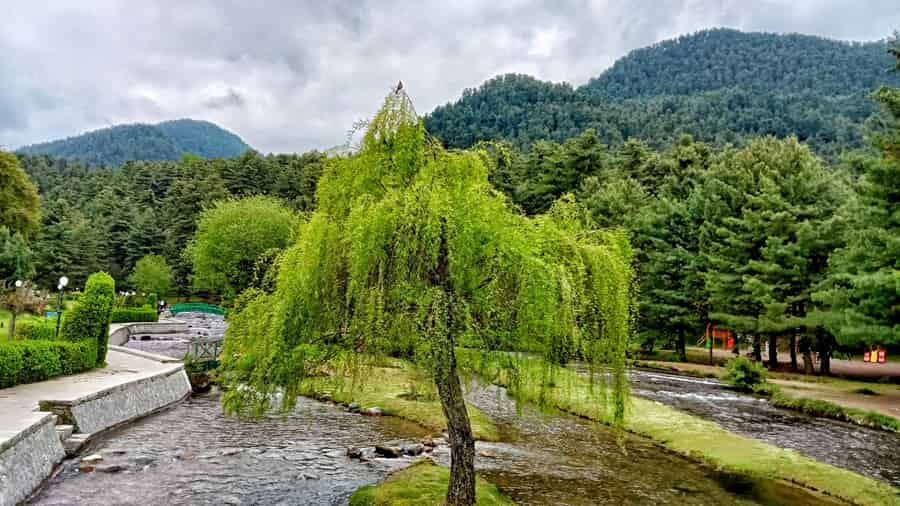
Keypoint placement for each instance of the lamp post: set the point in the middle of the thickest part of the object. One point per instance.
(63, 281)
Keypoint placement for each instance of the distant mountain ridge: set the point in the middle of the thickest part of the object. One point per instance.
(168, 140)
(719, 85)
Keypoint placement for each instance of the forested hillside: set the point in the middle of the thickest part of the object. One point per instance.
(758, 62)
(719, 86)
(164, 141)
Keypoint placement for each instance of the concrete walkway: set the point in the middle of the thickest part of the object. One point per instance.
(19, 405)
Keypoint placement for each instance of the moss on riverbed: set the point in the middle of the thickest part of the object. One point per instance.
(707, 442)
(422, 484)
(393, 390)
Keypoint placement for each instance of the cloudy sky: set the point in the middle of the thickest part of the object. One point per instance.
(294, 75)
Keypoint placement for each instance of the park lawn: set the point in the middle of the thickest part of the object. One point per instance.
(707, 442)
(388, 388)
(421, 484)
(5, 316)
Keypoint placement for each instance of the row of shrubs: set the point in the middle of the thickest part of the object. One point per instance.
(36, 330)
(81, 345)
(30, 361)
(134, 314)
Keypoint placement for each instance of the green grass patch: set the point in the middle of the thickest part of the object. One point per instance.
(5, 316)
(707, 442)
(421, 484)
(865, 391)
(826, 409)
(399, 391)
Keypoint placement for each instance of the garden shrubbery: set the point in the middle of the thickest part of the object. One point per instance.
(36, 330)
(134, 314)
(36, 356)
(745, 374)
(30, 361)
(89, 319)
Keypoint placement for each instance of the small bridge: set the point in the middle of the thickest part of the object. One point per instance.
(196, 307)
(203, 354)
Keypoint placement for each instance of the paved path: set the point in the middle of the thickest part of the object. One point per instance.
(19, 404)
(839, 367)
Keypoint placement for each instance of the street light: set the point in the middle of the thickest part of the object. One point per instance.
(63, 281)
(18, 283)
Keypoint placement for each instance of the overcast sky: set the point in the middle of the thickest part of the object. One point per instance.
(294, 75)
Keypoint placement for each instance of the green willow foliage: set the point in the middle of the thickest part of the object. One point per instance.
(410, 247)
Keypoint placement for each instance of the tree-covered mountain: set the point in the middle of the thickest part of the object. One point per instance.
(719, 86)
(164, 141)
(758, 62)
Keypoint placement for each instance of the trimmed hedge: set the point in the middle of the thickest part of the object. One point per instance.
(36, 330)
(30, 361)
(134, 314)
(89, 319)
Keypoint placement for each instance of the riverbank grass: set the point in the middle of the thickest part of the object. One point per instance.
(397, 390)
(422, 484)
(707, 442)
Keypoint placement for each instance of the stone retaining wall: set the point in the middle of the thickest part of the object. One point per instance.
(120, 334)
(124, 403)
(28, 458)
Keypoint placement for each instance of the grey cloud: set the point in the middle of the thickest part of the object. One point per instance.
(231, 98)
(312, 68)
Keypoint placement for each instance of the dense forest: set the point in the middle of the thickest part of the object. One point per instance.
(163, 141)
(719, 86)
(104, 219)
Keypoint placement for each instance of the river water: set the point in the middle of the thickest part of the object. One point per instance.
(193, 454)
(867, 451)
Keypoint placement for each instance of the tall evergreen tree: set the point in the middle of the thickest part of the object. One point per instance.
(862, 291)
(767, 231)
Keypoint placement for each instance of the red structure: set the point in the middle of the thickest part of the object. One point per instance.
(722, 335)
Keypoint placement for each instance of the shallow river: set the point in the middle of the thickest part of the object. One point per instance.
(194, 454)
(867, 451)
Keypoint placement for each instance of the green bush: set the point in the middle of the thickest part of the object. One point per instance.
(30, 361)
(89, 319)
(745, 374)
(133, 314)
(152, 300)
(36, 330)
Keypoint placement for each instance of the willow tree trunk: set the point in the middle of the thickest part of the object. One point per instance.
(461, 490)
(680, 348)
(757, 349)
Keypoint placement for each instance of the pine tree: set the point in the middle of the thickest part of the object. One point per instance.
(862, 292)
(767, 233)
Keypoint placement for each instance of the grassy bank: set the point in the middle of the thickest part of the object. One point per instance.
(827, 409)
(398, 391)
(707, 442)
(422, 484)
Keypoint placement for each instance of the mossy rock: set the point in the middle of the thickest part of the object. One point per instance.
(421, 484)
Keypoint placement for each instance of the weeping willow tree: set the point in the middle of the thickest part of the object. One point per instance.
(411, 252)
